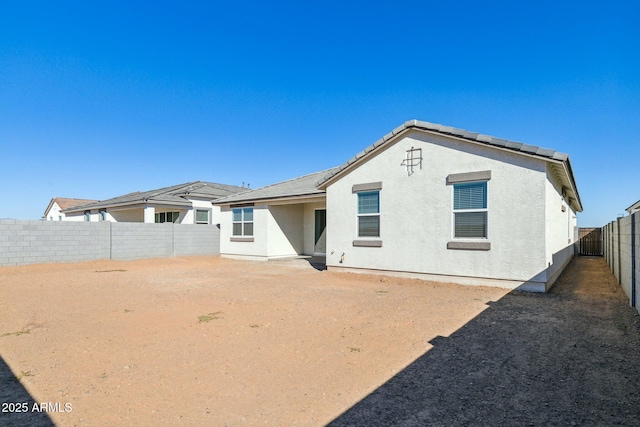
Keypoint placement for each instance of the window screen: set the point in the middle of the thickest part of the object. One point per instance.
(470, 210)
(369, 214)
(202, 216)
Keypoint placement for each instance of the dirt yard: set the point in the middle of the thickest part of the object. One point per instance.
(210, 341)
(568, 357)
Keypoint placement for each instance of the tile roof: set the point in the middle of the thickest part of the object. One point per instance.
(174, 195)
(568, 179)
(306, 185)
(297, 187)
(66, 203)
(451, 131)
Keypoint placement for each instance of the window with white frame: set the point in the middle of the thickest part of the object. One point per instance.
(243, 221)
(87, 216)
(470, 210)
(202, 216)
(369, 214)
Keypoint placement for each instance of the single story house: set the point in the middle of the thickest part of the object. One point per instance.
(189, 203)
(633, 208)
(426, 200)
(54, 211)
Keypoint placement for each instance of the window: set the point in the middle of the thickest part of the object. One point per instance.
(202, 216)
(87, 216)
(243, 222)
(103, 215)
(369, 214)
(470, 210)
(162, 217)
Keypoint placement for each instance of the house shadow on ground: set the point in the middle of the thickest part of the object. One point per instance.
(568, 357)
(12, 392)
(317, 262)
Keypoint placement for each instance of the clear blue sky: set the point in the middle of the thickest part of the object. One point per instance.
(101, 98)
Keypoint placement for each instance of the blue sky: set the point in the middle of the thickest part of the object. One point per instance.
(98, 99)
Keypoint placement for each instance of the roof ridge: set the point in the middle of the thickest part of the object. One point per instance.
(291, 179)
(219, 185)
(304, 185)
(164, 190)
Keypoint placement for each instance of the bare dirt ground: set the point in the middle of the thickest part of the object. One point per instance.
(568, 357)
(212, 341)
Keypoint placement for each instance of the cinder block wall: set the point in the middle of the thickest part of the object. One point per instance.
(622, 252)
(195, 240)
(131, 240)
(29, 242)
(625, 255)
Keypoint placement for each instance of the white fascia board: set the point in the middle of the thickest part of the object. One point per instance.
(289, 200)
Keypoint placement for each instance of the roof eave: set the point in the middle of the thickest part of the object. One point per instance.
(454, 133)
(635, 205)
(46, 211)
(133, 204)
(290, 198)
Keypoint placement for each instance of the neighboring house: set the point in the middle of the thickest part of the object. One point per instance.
(426, 200)
(58, 204)
(634, 208)
(188, 203)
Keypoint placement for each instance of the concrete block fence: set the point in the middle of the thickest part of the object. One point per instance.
(622, 252)
(30, 242)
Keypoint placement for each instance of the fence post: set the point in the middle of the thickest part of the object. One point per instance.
(110, 240)
(633, 260)
(613, 251)
(619, 259)
(605, 242)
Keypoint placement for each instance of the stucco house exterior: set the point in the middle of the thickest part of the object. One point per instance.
(426, 200)
(277, 221)
(189, 203)
(633, 208)
(54, 211)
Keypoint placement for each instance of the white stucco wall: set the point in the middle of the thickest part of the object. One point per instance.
(190, 215)
(285, 230)
(79, 217)
(309, 225)
(416, 213)
(560, 233)
(54, 214)
(126, 215)
(257, 248)
(73, 217)
(280, 230)
(141, 213)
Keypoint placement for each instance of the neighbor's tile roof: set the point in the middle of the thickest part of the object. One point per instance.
(174, 195)
(66, 203)
(302, 186)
